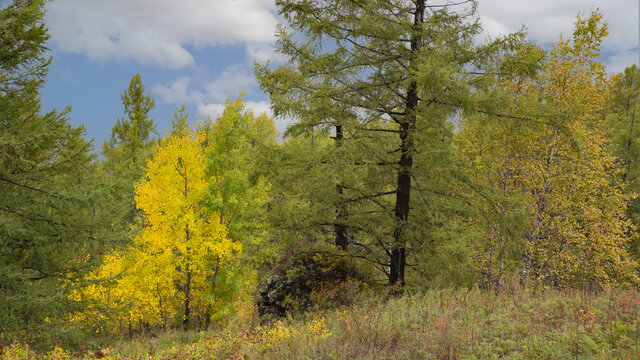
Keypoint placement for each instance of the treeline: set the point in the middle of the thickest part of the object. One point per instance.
(418, 157)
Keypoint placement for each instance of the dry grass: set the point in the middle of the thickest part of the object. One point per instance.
(437, 324)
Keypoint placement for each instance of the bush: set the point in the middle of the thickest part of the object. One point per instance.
(311, 278)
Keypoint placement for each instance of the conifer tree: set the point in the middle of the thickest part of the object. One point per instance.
(125, 153)
(378, 73)
(49, 233)
(131, 136)
(623, 114)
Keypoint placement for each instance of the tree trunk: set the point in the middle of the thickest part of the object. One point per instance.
(187, 298)
(207, 321)
(187, 285)
(342, 231)
(407, 128)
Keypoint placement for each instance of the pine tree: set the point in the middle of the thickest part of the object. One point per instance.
(49, 232)
(131, 143)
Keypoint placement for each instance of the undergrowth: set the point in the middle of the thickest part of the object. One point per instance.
(437, 324)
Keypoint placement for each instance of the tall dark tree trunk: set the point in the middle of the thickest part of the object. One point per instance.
(403, 194)
(342, 231)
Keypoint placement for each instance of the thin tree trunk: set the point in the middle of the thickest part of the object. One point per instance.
(187, 298)
(403, 194)
(213, 288)
(187, 286)
(342, 231)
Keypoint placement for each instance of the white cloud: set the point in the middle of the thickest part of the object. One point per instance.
(157, 31)
(545, 20)
(493, 27)
(175, 93)
(263, 52)
(208, 97)
(210, 110)
(230, 84)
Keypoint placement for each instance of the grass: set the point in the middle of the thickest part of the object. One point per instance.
(437, 324)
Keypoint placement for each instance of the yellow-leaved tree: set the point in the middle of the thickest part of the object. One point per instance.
(181, 239)
(548, 202)
(165, 276)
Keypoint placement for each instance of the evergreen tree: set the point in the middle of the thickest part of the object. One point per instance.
(131, 143)
(131, 140)
(49, 231)
(379, 74)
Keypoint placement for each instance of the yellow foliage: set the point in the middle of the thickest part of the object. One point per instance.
(174, 260)
(552, 157)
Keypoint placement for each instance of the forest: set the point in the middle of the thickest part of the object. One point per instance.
(435, 196)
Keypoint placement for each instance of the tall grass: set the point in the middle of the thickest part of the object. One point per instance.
(436, 324)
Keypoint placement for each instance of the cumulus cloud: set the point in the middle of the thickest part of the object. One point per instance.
(177, 92)
(263, 52)
(230, 83)
(157, 31)
(160, 31)
(545, 20)
(208, 97)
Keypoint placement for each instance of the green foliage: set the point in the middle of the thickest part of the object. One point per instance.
(130, 144)
(621, 115)
(131, 135)
(51, 232)
(235, 190)
(386, 78)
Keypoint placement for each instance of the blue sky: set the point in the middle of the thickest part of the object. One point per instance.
(201, 52)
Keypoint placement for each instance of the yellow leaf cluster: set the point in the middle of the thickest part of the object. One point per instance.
(551, 159)
(173, 261)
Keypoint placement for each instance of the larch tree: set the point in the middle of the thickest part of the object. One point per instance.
(131, 137)
(367, 69)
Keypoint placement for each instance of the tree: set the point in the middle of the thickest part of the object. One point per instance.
(546, 184)
(375, 68)
(235, 192)
(131, 136)
(621, 114)
(238, 194)
(131, 143)
(181, 234)
(50, 234)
